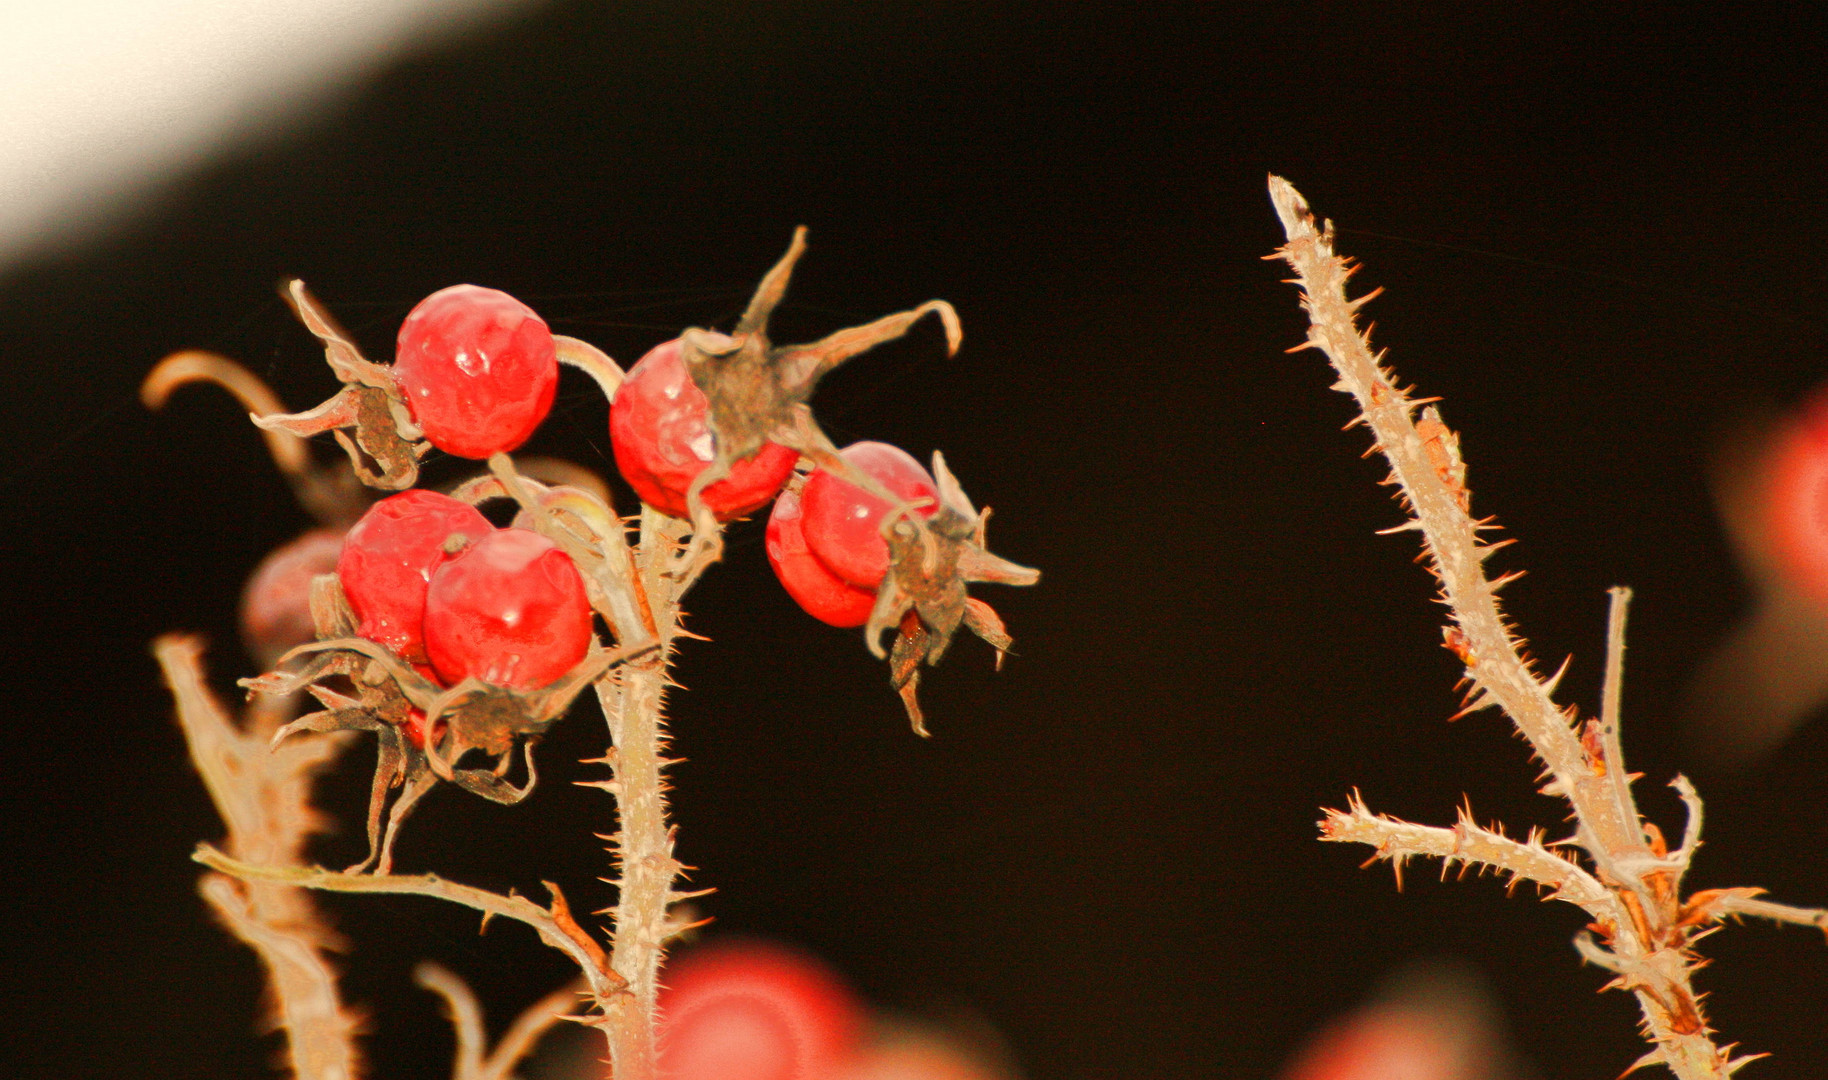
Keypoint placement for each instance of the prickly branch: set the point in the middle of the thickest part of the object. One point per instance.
(1643, 929)
(263, 794)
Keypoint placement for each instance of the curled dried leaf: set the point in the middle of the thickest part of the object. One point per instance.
(368, 416)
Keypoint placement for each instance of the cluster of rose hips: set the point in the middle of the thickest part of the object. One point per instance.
(456, 635)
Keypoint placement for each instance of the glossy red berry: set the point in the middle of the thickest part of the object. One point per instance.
(388, 558)
(510, 610)
(749, 1011)
(478, 370)
(662, 442)
(819, 592)
(842, 522)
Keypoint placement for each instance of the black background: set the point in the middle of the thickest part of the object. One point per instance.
(1601, 235)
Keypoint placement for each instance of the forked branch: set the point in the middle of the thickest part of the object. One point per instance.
(264, 797)
(1644, 928)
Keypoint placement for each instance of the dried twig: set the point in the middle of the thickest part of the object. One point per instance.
(473, 1060)
(642, 844)
(1643, 926)
(264, 796)
(554, 925)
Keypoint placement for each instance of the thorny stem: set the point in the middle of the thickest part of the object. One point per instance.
(263, 794)
(1640, 916)
(1729, 905)
(1427, 465)
(633, 704)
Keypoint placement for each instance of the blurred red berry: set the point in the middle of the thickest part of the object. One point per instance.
(1796, 501)
(662, 442)
(478, 370)
(749, 1011)
(1384, 1045)
(510, 609)
(388, 558)
(842, 522)
(276, 602)
(819, 592)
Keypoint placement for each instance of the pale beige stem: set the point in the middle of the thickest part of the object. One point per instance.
(1432, 475)
(633, 704)
(1753, 907)
(1648, 942)
(554, 926)
(263, 794)
(474, 1061)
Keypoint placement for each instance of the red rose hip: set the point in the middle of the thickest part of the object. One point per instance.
(478, 370)
(843, 522)
(662, 442)
(510, 610)
(388, 558)
(1795, 503)
(819, 592)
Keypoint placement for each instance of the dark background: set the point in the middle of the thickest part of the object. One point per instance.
(1601, 235)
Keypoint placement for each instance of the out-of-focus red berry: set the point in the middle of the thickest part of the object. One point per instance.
(510, 610)
(1386, 1044)
(388, 558)
(276, 602)
(662, 442)
(749, 1011)
(842, 522)
(1795, 502)
(819, 592)
(478, 369)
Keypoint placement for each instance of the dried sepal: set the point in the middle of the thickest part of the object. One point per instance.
(368, 416)
(923, 596)
(451, 721)
(757, 392)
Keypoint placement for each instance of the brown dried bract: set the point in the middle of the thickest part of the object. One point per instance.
(368, 415)
(923, 597)
(757, 392)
